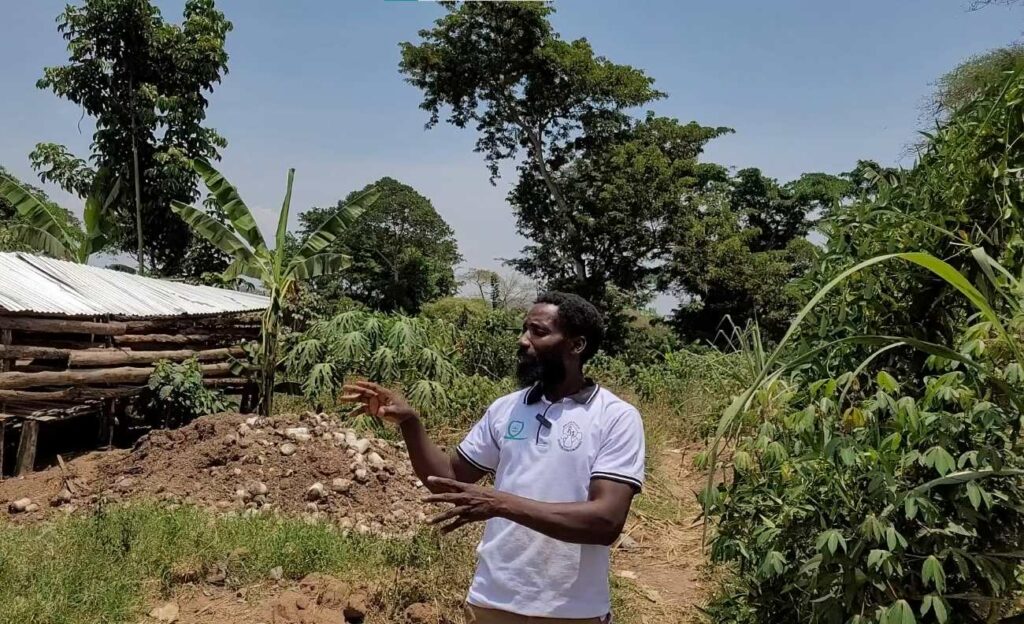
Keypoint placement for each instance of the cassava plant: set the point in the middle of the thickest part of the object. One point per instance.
(416, 353)
(874, 499)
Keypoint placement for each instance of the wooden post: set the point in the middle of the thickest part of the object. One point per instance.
(26, 459)
(3, 427)
(6, 338)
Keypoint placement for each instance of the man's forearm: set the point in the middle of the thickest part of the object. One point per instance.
(589, 522)
(428, 460)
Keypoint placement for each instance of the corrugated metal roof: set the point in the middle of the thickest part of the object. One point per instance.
(36, 284)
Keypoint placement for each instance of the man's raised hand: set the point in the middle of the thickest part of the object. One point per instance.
(379, 402)
(470, 503)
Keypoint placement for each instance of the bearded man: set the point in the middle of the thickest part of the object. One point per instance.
(567, 458)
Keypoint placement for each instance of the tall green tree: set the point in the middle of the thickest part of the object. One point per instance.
(403, 253)
(627, 187)
(738, 254)
(280, 269)
(145, 82)
(502, 69)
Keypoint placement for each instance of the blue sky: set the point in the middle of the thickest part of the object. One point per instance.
(313, 84)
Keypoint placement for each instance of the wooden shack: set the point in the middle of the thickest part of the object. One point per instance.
(78, 342)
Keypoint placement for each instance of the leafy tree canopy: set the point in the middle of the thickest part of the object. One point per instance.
(501, 68)
(403, 253)
(145, 82)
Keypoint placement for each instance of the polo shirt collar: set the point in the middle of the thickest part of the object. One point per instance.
(585, 395)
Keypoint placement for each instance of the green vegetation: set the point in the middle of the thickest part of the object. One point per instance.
(104, 567)
(175, 395)
(278, 271)
(861, 398)
(882, 482)
(145, 83)
(403, 253)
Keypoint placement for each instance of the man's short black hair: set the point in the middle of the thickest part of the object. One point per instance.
(578, 317)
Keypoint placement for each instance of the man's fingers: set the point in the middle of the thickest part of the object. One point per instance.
(351, 397)
(451, 497)
(458, 524)
(451, 484)
(369, 386)
(448, 515)
(356, 388)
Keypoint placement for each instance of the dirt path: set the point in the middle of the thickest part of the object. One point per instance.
(666, 567)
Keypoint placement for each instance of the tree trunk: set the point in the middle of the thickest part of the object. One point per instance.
(138, 185)
(537, 151)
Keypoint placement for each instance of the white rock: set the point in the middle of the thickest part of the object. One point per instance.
(362, 529)
(316, 492)
(252, 421)
(19, 505)
(362, 475)
(242, 495)
(258, 488)
(276, 573)
(361, 445)
(375, 461)
(287, 449)
(62, 498)
(341, 485)
(165, 613)
(351, 438)
(299, 434)
(237, 472)
(244, 429)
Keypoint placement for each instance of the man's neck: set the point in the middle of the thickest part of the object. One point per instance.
(573, 383)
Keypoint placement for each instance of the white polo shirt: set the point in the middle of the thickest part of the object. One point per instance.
(593, 435)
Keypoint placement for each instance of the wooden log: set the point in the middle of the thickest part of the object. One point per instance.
(68, 394)
(62, 326)
(169, 325)
(121, 375)
(3, 429)
(24, 352)
(174, 339)
(118, 357)
(222, 382)
(27, 447)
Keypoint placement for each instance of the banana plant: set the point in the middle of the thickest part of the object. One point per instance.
(276, 269)
(45, 227)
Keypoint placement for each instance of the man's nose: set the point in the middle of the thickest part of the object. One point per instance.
(524, 342)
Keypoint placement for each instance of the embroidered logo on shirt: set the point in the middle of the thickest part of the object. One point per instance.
(514, 431)
(571, 438)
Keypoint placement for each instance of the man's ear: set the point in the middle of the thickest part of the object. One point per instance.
(580, 346)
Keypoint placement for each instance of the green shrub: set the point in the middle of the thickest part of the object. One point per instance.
(456, 310)
(886, 499)
(175, 395)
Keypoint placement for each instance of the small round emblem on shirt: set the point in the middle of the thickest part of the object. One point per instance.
(571, 438)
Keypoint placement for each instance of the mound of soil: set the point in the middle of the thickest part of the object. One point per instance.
(231, 463)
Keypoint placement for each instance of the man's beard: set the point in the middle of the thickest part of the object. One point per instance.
(548, 371)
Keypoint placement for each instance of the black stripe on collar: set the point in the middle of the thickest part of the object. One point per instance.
(585, 395)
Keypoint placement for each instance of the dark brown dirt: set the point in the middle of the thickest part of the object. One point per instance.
(224, 461)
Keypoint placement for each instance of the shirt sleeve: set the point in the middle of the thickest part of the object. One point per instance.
(480, 446)
(621, 456)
